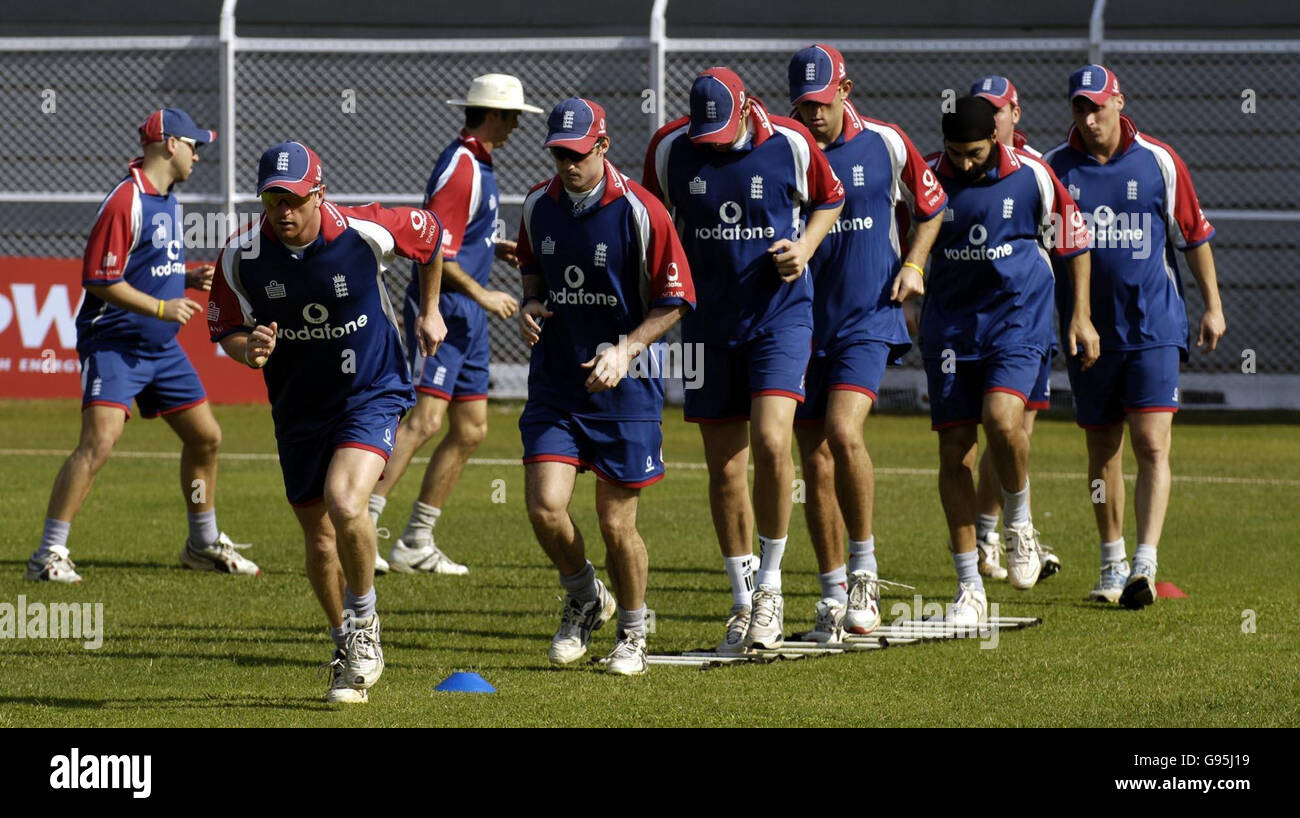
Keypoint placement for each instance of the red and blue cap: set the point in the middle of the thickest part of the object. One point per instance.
(997, 90)
(173, 122)
(290, 166)
(576, 124)
(815, 74)
(717, 99)
(1096, 82)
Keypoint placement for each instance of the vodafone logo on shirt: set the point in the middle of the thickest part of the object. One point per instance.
(730, 213)
(574, 295)
(975, 249)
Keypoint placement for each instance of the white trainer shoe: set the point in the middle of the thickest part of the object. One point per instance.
(577, 621)
(733, 643)
(1140, 590)
(422, 558)
(363, 657)
(990, 556)
(829, 626)
(381, 564)
(1050, 563)
(766, 620)
(628, 658)
(970, 608)
(339, 692)
(1109, 587)
(54, 568)
(1024, 560)
(221, 557)
(863, 613)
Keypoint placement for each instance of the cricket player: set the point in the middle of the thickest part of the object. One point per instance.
(860, 278)
(135, 278)
(310, 309)
(740, 184)
(604, 277)
(985, 326)
(1143, 208)
(453, 383)
(1002, 95)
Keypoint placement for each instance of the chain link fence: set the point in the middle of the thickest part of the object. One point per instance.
(376, 114)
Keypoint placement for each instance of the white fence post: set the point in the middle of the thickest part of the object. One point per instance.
(658, 56)
(1097, 32)
(226, 34)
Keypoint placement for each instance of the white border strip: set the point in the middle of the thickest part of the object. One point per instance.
(882, 46)
(563, 45)
(180, 43)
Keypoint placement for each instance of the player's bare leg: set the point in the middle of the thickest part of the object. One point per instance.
(1106, 493)
(1152, 434)
(325, 574)
(417, 428)
(207, 548)
(628, 564)
(548, 488)
(821, 507)
(726, 453)
(958, 446)
(988, 499)
(348, 480)
(855, 488)
(101, 428)
(770, 431)
(1004, 425)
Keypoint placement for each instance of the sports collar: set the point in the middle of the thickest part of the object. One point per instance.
(332, 225)
(615, 187)
(136, 169)
(1127, 135)
(475, 147)
(1008, 163)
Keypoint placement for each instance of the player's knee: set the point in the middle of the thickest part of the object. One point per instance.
(819, 465)
(1001, 423)
(955, 455)
(770, 447)
(206, 441)
(344, 507)
(618, 531)
(470, 435)
(95, 449)
(424, 425)
(845, 442)
(1151, 448)
(547, 517)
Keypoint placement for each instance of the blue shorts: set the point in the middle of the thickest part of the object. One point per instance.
(459, 369)
(856, 367)
(1041, 396)
(305, 462)
(957, 397)
(627, 453)
(732, 377)
(1140, 380)
(161, 381)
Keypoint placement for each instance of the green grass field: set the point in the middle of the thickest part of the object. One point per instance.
(203, 650)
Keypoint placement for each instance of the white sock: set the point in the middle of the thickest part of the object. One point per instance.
(54, 540)
(629, 621)
(582, 585)
(423, 519)
(203, 528)
(739, 571)
(362, 607)
(985, 525)
(1015, 506)
(769, 569)
(835, 585)
(1145, 552)
(1113, 552)
(862, 555)
(968, 569)
(377, 504)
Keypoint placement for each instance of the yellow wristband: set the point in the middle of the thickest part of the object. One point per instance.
(915, 267)
(161, 304)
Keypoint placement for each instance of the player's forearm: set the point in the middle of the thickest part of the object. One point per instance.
(656, 323)
(456, 280)
(430, 284)
(534, 287)
(1200, 259)
(819, 225)
(236, 347)
(923, 236)
(1081, 275)
(126, 297)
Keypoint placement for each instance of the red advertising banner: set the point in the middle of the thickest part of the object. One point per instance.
(39, 299)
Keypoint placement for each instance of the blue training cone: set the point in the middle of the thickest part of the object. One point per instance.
(465, 682)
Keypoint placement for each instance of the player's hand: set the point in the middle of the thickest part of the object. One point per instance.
(1212, 329)
(430, 331)
(180, 310)
(1082, 333)
(199, 278)
(505, 250)
(530, 329)
(260, 345)
(608, 368)
(907, 284)
(499, 303)
(790, 258)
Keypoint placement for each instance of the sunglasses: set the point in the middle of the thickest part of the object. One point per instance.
(271, 199)
(566, 155)
(194, 145)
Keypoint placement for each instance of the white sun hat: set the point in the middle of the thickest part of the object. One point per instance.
(500, 91)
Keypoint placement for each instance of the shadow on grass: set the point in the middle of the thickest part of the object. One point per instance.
(199, 702)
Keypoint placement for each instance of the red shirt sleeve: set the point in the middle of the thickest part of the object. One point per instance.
(928, 196)
(824, 188)
(1073, 237)
(670, 273)
(417, 233)
(1188, 226)
(650, 168)
(116, 229)
(451, 202)
(226, 313)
